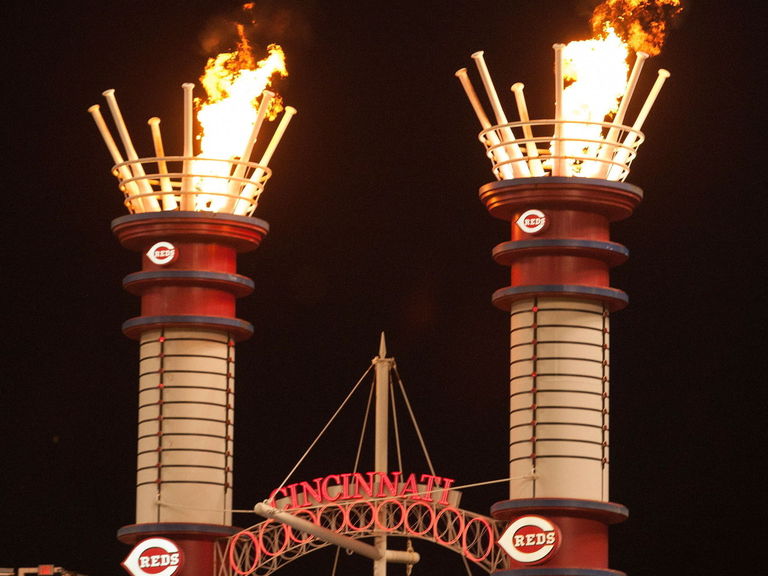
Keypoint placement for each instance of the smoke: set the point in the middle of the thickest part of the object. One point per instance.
(219, 35)
(263, 23)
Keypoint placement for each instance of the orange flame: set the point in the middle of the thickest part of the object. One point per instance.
(595, 71)
(642, 24)
(234, 83)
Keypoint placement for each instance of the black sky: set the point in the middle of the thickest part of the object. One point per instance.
(375, 225)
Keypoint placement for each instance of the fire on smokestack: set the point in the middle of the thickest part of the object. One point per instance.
(594, 86)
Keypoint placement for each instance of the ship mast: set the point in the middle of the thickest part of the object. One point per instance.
(383, 366)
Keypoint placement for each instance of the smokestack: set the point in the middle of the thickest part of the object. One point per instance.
(187, 332)
(559, 300)
(188, 223)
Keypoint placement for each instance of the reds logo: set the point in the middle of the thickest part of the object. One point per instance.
(532, 221)
(155, 557)
(531, 539)
(162, 253)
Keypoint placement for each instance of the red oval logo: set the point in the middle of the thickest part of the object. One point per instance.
(162, 253)
(154, 557)
(532, 221)
(531, 539)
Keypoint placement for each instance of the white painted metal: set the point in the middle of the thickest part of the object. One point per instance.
(192, 182)
(186, 407)
(383, 366)
(559, 393)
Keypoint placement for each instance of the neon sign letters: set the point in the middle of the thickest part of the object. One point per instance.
(361, 505)
(358, 486)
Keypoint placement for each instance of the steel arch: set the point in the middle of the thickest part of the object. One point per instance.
(267, 546)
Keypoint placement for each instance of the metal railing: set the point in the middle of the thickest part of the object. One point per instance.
(561, 148)
(191, 183)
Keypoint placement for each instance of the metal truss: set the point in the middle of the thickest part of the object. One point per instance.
(267, 546)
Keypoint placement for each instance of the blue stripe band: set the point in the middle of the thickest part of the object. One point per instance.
(175, 528)
(558, 572)
(566, 243)
(590, 291)
(213, 321)
(566, 181)
(174, 214)
(222, 277)
(560, 503)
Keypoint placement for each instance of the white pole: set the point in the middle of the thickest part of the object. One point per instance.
(611, 139)
(381, 440)
(249, 190)
(130, 187)
(530, 146)
(629, 141)
(520, 169)
(321, 532)
(169, 201)
(660, 79)
(150, 202)
(378, 552)
(289, 113)
(498, 152)
(397, 556)
(559, 167)
(234, 183)
(187, 198)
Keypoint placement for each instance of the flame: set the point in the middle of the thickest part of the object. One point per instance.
(595, 71)
(233, 82)
(642, 24)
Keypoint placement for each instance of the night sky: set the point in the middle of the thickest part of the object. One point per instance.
(376, 225)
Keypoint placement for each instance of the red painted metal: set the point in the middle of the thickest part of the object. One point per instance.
(577, 209)
(206, 244)
(197, 289)
(197, 542)
(570, 256)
